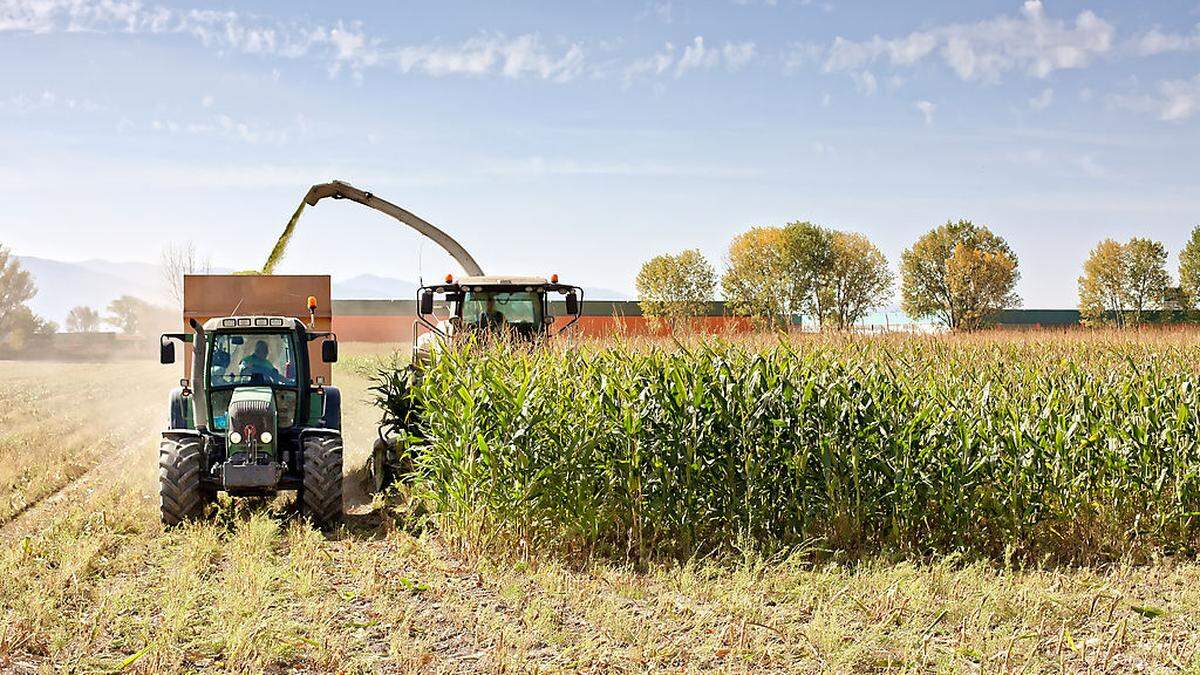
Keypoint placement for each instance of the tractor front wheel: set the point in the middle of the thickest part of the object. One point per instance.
(180, 460)
(321, 496)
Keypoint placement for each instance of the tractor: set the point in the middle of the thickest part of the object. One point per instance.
(255, 423)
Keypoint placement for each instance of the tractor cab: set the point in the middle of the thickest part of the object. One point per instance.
(256, 414)
(519, 307)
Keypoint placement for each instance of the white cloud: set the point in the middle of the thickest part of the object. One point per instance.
(207, 101)
(45, 101)
(341, 45)
(695, 56)
(1030, 42)
(1175, 100)
(866, 82)
(927, 109)
(1155, 41)
(1042, 100)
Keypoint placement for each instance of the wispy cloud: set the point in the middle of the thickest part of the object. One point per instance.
(694, 56)
(1154, 41)
(47, 100)
(226, 127)
(340, 46)
(1029, 42)
(1174, 100)
(927, 108)
(1042, 100)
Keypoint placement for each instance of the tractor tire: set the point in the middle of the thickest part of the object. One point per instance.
(321, 496)
(180, 461)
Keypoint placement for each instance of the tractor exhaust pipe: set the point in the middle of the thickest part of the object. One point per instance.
(199, 402)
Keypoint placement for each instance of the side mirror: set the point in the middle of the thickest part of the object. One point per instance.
(426, 302)
(329, 351)
(166, 352)
(572, 304)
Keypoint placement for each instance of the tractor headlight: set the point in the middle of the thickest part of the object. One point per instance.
(266, 437)
(235, 437)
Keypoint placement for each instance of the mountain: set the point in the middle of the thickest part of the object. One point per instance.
(94, 283)
(373, 287)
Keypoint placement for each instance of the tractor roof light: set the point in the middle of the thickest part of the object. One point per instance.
(449, 278)
(554, 278)
(312, 303)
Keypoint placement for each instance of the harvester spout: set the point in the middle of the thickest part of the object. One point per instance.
(339, 190)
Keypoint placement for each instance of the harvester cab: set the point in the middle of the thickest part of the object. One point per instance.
(519, 307)
(251, 420)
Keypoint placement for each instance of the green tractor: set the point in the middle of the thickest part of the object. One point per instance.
(255, 424)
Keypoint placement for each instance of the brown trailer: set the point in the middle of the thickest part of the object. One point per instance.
(206, 296)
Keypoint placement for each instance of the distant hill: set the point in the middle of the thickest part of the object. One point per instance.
(94, 283)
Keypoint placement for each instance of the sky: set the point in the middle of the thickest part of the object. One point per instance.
(583, 138)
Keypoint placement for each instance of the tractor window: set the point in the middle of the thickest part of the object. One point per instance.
(252, 359)
(494, 308)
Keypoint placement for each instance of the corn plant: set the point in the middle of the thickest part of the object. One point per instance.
(1051, 446)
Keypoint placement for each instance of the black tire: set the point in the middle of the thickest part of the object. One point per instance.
(321, 497)
(180, 461)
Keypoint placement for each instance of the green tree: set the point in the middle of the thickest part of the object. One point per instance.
(1121, 282)
(960, 273)
(676, 287)
(806, 256)
(1147, 277)
(16, 288)
(753, 280)
(83, 319)
(856, 281)
(1102, 286)
(1189, 268)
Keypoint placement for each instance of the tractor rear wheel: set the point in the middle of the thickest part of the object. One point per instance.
(180, 462)
(321, 496)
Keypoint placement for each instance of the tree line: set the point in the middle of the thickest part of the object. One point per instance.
(959, 274)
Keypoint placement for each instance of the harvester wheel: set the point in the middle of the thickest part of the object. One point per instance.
(321, 496)
(380, 471)
(180, 496)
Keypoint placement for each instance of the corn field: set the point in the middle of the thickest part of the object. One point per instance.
(1070, 448)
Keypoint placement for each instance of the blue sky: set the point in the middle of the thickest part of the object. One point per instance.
(582, 138)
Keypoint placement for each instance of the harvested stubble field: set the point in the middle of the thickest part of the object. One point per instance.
(90, 581)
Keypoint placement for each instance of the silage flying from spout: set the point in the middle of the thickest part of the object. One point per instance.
(281, 245)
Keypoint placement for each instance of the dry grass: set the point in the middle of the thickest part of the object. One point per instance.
(91, 582)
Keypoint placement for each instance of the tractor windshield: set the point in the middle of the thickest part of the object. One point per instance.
(252, 358)
(484, 309)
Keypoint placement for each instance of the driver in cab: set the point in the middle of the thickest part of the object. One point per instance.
(258, 364)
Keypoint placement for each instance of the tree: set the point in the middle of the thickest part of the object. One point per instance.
(83, 319)
(676, 287)
(857, 280)
(960, 273)
(806, 256)
(754, 270)
(1102, 286)
(1189, 268)
(1121, 282)
(1147, 276)
(134, 316)
(178, 260)
(16, 288)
